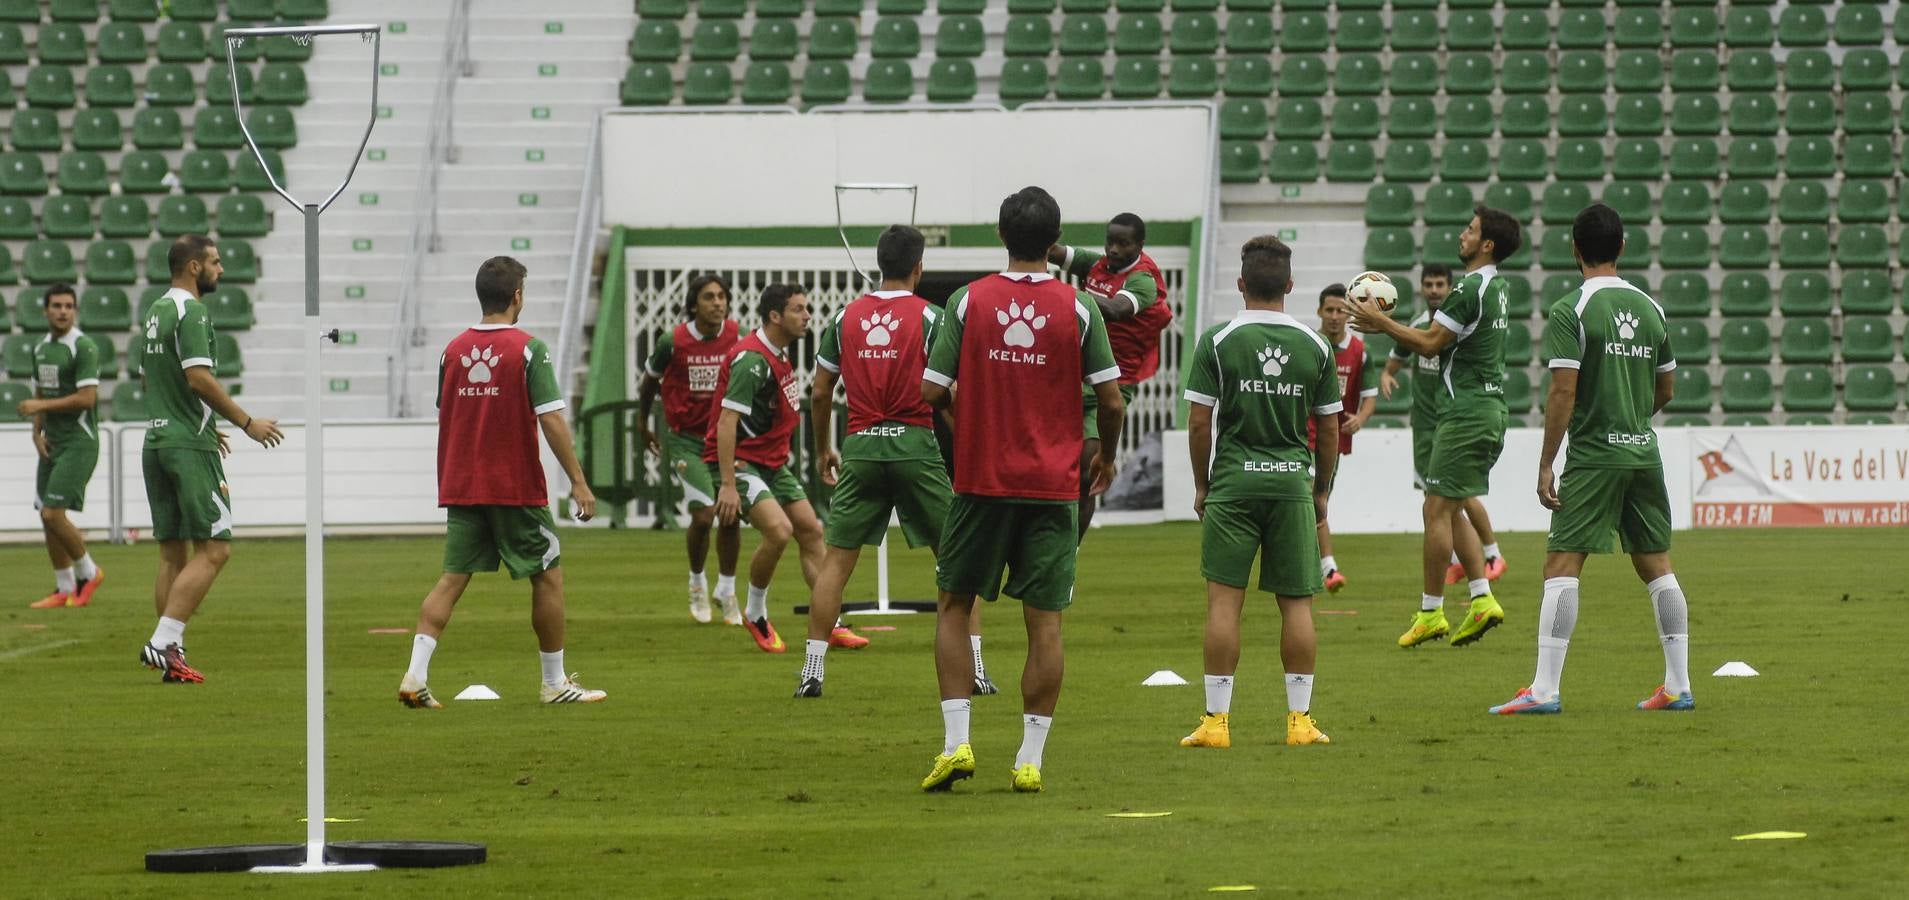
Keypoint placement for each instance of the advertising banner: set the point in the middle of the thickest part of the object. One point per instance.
(1799, 477)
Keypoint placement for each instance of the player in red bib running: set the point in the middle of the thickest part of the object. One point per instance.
(1349, 351)
(1132, 295)
(496, 389)
(684, 368)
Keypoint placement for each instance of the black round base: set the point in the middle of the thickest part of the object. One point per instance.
(916, 606)
(406, 854)
(229, 858)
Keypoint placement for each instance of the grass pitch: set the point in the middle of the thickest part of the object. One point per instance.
(702, 776)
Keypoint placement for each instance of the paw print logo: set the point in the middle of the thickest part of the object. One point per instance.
(152, 328)
(1626, 325)
(478, 363)
(1272, 361)
(881, 329)
(1021, 322)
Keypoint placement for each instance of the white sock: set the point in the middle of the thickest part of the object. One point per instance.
(698, 580)
(1479, 587)
(758, 604)
(1328, 565)
(1431, 602)
(725, 585)
(63, 579)
(170, 631)
(1673, 631)
(1033, 739)
(1298, 692)
(85, 567)
(1219, 694)
(1557, 617)
(422, 646)
(553, 667)
(1491, 551)
(954, 723)
(812, 664)
(980, 668)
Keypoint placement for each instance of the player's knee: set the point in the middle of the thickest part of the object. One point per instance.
(52, 515)
(778, 532)
(702, 518)
(216, 552)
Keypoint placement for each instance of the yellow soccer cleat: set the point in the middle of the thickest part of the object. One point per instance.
(950, 768)
(1027, 779)
(1301, 730)
(1484, 615)
(1213, 732)
(1427, 625)
(414, 693)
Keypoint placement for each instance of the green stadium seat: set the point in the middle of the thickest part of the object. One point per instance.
(1581, 29)
(1805, 389)
(964, 7)
(1554, 249)
(80, 172)
(240, 260)
(48, 261)
(1303, 76)
(243, 215)
(64, 216)
(282, 84)
(1801, 202)
(1518, 343)
(1802, 26)
(834, 39)
(1864, 69)
(1448, 203)
(1518, 294)
(1390, 249)
(1638, 28)
(1638, 115)
(648, 9)
(1517, 391)
(1691, 391)
(184, 42)
(19, 11)
(205, 171)
(1868, 339)
(839, 7)
(646, 84)
(62, 44)
(273, 127)
(1748, 26)
(827, 81)
(230, 309)
(1513, 198)
(1809, 70)
(1696, 115)
(1683, 247)
(22, 173)
(1525, 29)
(1240, 162)
(1525, 116)
(1180, 6)
(227, 361)
(247, 51)
(1025, 79)
(1192, 78)
(167, 84)
(1753, 114)
(1687, 421)
(16, 220)
(1902, 25)
(248, 175)
(1870, 389)
(1469, 29)
(1689, 341)
(143, 172)
(1862, 247)
(656, 41)
(217, 128)
(1805, 294)
(1747, 389)
(111, 262)
(1867, 293)
(707, 84)
(1639, 71)
(182, 215)
(9, 274)
(125, 216)
(1810, 113)
(121, 42)
(1026, 36)
(108, 354)
(1584, 116)
(218, 82)
(1868, 156)
(1744, 341)
(158, 128)
(1806, 341)
(51, 87)
(1641, 159)
(1413, 29)
(1306, 32)
(713, 40)
(1411, 73)
(1355, 118)
(1808, 420)
(13, 44)
(1293, 162)
(1633, 200)
(1525, 72)
(1583, 73)
(1523, 159)
(1243, 119)
(1351, 161)
(1139, 34)
(1359, 30)
(1869, 419)
(1136, 79)
(1470, 73)
(1809, 157)
(1695, 26)
(1468, 116)
(1196, 33)
(1751, 70)
(1249, 32)
(1695, 70)
(129, 397)
(779, 9)
(1563, 201)
(157, 269)
(318, 10)
(1248, 76)
(1464, 160)
(1411, 117)
(777, 40)
(98, 129)
(1407, 161)
(17, 350)
(36, 131)
(1080, 79)
(1746, 421)
(1390, 204)
(1749, 157)
(105, 309)
(283, 49)
(1803, 247)
(1578, 160)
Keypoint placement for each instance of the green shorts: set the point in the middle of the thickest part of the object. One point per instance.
(187, 492)
(684, 455)
(1032, 541)
(61, 481)
(1281, 532)
(1090, 410)
(522, 538)
(1597, 502)
(758, 483)
(1422, 453)
(1463, 452)
(868, 490)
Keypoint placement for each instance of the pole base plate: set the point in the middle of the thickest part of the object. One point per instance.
(227, 858)
(382, 854)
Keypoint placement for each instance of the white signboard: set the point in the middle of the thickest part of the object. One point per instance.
(1799, 477)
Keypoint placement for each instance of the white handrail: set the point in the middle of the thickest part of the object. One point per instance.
(583, 245)
(438, 148)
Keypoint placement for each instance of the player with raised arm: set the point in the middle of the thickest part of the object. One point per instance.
(1609, 352)
(1357, 406)
(684, 368)
(1467, 334)
(185, 482)
(497, 387)
(877, 346)
(1266, 384)
(1019, 342)
(748, 454)
(1435, 283)
(66, 435)
(1132, 295)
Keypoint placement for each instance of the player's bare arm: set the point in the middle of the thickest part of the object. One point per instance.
(728, 499)
(1663, 389)
(939, 397)
(645, 401)
(822, 410)
(1389, 379)
(1199, 442)
(1111, 415)
(557, 435)
(39, 437)
(265, 431)
(80, 400)
(1559, 404)
(1367, 406)
(1325, 460)
(1367, 318)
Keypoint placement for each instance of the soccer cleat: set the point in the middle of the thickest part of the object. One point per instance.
(984, 685)
(1214, 731)
(1494, 568)
(172, 662)
(1665, 700)
(152, 657)
(84, 596)
(950, 768)
(1484, 615)
(1522, 703)
(1455, 574)
(699, 603)
(765, 636)
(841, 638)
(1335, 581)
(1302, 730)
(571, 692)
(1027, 779)
(732, 614)
(810, 687)
(54, 600)
(415, 694)
(1427, 625)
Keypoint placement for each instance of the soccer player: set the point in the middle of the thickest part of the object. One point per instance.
(1435, 283)
(66, 434)
(185, 482)
(748, 454)
(1467, 335)
(877, 346)
(1019, 342)
(1132, 295)
(1356, 407)
(1268, 383)
(683, 368)
(1611, 364)
(496, 389)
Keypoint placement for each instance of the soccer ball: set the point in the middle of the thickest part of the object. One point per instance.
(1376, 287)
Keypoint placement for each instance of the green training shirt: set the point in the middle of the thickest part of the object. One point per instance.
(178, 336)
(1139, 284)
(1265, 375)
(1614, 335)
(1422, 372)
(1472, 368)
(61, 366)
